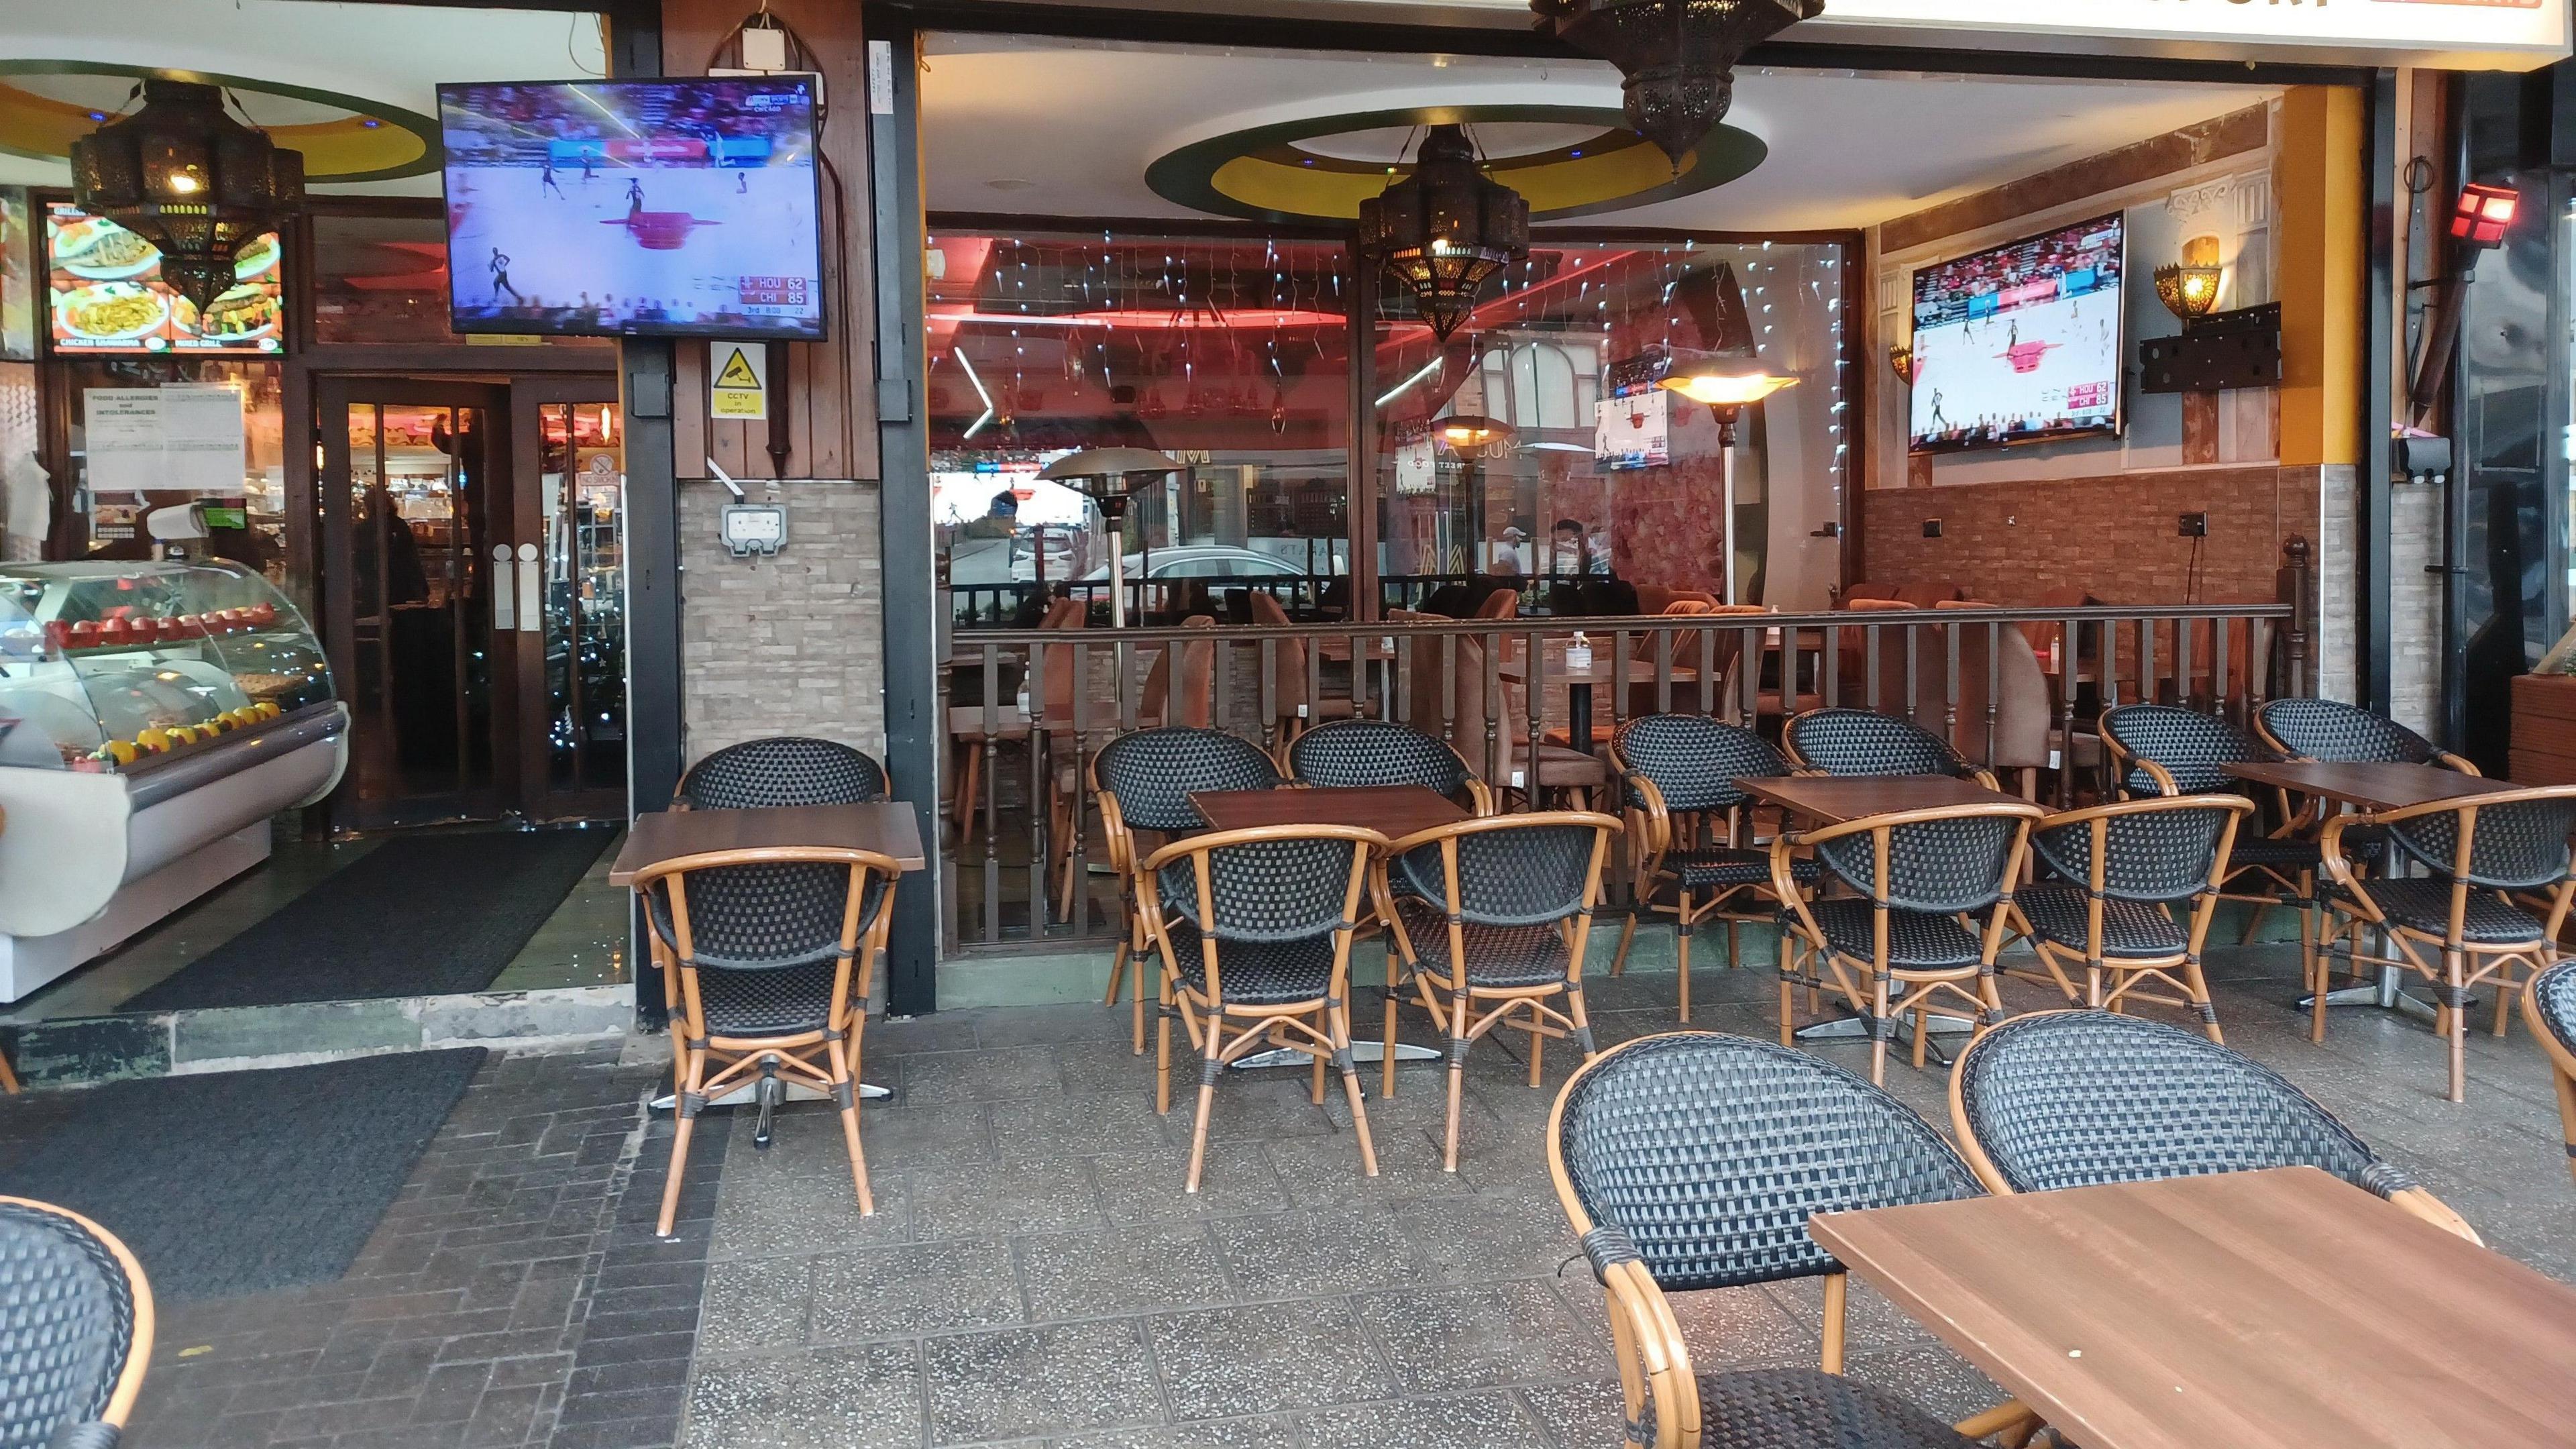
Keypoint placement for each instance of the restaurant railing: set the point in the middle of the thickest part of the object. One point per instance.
(1977, 676)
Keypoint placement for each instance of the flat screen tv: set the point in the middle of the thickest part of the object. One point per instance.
(2019, 343)
(104, 291)
(676, 208)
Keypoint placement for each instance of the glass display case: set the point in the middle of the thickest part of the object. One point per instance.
(111, 666)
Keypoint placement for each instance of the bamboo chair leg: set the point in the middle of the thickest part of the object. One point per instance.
(2320, 965)
(1788, 1025)
(968, 801)
(1878, 1028)
(1627, 934)
(1457, 1079)
(1207, 1097)
(2254, 923)
(1163, 1054)
(1118, 975)
(1315, 1090)
(1837, 1311)
(1922, 1034)
(1394, 988)
(1538, 1049)
(1733, 960)
(2311, 949)
(8, 1078)
(2455, 1024)
(691, 1073)
(2197, 986)
(2504, 989)
(2093, 984)
(1136, 963)
(845, 1085)
(1338, 1023)
(2566, 1086)
(1582, 1023)
(1682, 950)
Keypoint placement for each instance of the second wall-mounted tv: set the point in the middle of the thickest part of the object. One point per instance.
(676, 208)
(2020, 343)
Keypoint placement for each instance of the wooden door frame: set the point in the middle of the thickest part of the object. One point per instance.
(537, 798)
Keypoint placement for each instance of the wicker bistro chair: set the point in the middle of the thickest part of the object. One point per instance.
(1911, 939)
(768, 957)
(1352, 753)
(784, 770)
(2061, 1099)
(1839, 740)
(1692, 1161)
(2120, 870)
(75, 1329)
(2549, 1009)
(2325, 729)
(1495, 923)
(1144, 781)
(2482, 849)
(1678, 774)
(1254, 929)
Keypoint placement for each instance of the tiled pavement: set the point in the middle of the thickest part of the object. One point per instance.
(1035, 1276)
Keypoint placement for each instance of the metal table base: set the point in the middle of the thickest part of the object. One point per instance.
(1361, 1051)
(743, 1095)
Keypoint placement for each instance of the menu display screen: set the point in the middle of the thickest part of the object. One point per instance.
(622, 208)
(104, 293)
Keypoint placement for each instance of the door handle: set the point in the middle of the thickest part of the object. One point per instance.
(532, 591)
(503, 605)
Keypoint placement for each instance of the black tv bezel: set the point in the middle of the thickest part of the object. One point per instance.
(822, 331)
(2118, 425)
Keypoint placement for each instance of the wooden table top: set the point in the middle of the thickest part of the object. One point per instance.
(1833, 799)
(2282, 1309)
(1393, 811)
(884, 827)
(2370, 786)
(1604, 668)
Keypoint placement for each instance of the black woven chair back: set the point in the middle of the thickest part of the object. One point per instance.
(1694, 760)
(2516, 845)
(66, 1327)
(2326, 729)
(1514, 875)
(786, 770)
(2157, 855)
(1932, 865)
(1713, 1151)
(1864, 742)
(1361, 752)
(760, 917)
(2190, 745)
(1152, 772)
(1269, 890)
(2553, 997)
(2077, 1098)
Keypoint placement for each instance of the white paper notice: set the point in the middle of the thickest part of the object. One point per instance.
(184, 438)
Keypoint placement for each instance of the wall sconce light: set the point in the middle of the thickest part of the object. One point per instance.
(2484, 214)
(1900, 356)
(2189, 288)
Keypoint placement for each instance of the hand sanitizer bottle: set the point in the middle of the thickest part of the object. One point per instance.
(1578, 653)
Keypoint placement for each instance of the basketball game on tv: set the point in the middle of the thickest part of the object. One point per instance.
(2019, 343)
(623, 208)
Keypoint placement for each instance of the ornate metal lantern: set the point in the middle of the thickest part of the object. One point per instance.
(1677, 56)
(1446, 229)
(189, 179)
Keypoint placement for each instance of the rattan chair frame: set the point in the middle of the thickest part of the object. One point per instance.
(2415, 1201)
(826, 1059)
(2464, 964)
(8, 1077)
(2111, 982)
(1869, 994)
(1468, 1011)
(138, 1345)
(1965, 769)
(1654, 831)
(2440, 756)
(1224, 1031)
(2562, 1059)
(1646, 1338)
(1480, 795)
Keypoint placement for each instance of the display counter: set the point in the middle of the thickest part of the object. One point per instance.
(153, 716)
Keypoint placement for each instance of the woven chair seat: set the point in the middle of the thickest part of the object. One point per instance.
(2129, 928)
(66, 1324)
(782, 1001)
(1916, 940)
(1718, 867)
(2553, 993)
(1808, 1409)
(1255, 973)
(1497, 956)
(2425, 905)
(2252, 850)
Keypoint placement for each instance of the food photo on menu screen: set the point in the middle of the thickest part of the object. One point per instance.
(2019, 343)
(619, 208)
(105, 294)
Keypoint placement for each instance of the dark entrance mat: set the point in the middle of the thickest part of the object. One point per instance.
(241, 1182)
(420, 915)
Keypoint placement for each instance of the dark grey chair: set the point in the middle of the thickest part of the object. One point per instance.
(2064, 1099)
(1677, 778)
(2117, 874)
(75, 1329)
(1693, 1161)
(1347, 753)
(2549, 1009)
(1839, 740)
(784, 770)
(2326, 729)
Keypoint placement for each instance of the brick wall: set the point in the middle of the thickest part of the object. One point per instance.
(2112, 535)
(789, 645)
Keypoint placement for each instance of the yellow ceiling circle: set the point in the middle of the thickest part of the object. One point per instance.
(372, 141)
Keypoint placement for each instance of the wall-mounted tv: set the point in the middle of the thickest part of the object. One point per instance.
(676, 208)
(2020, 343)
(104, 292)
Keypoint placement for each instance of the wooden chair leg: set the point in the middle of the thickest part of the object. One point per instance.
(1837, 1314)
(845, 1085)
(8, 1078)
(968, 801)
(2254, 923)
(690, 1075)
(1788, 1027)
(2197, 986)
(1538, 1048)
(2455, 1025)
(1922, 1034)
(1457, 1079)
(1627, 934)
(2566, 1086)
(1338, 1023)
(2504, 988)
(1118, 975)
(1879, 1027)
(1394, 987)
(1163, 1053)
(1315, 1092)
(2312, 949)
(1733, 958)
(1207, 1098)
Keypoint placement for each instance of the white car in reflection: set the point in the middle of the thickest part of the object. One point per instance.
(1206, 561)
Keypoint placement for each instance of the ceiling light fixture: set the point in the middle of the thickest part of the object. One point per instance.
(194, 182)
(1676, 57)
(1445, 230)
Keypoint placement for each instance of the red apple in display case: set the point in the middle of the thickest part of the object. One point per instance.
(263, 613)
(116, 632)
(84, 635)
(58, 635)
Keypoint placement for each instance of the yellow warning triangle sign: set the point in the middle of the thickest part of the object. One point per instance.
(737, 375)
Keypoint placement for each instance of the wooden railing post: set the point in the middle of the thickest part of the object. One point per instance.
(2296, 587)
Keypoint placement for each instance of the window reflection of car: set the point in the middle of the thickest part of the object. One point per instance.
(1206, 561)
(1058, 544)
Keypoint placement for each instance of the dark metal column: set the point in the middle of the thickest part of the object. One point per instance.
(2371, 521)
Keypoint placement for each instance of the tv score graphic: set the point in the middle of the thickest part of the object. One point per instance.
(2021, 342)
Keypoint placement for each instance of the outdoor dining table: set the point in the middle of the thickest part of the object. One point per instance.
(2282, 1308)
(1394, 811)
(1839, 799)
(1605, 668)
(2367, 786)
(879, 827)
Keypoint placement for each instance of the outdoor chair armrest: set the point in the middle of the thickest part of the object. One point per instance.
(1606, 1246)
(1656, 834)
(96, 1434)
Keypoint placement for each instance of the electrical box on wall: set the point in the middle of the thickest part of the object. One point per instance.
(2226, 349)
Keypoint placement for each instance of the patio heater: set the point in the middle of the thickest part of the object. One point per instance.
(1725, 386)
(1106, 476)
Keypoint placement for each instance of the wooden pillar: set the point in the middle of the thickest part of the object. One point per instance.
(2321, 269)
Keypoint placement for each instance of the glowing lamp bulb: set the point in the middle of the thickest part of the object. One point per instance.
(1727, 389)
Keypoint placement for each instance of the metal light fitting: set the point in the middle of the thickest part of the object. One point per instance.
(196, 183)
(1445, 230)
(1676, 57)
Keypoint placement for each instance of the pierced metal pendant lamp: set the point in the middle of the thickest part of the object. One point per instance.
(196, 183)
(1677, 56)
(1446, 229)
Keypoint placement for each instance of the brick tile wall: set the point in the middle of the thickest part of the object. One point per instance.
(788, 645)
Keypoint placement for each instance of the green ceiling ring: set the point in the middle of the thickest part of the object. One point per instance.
(1261, 174)
(405, 144)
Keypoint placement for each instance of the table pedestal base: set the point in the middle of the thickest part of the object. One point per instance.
(1854, 1025)
(748, 1092)
(1361, 1051)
